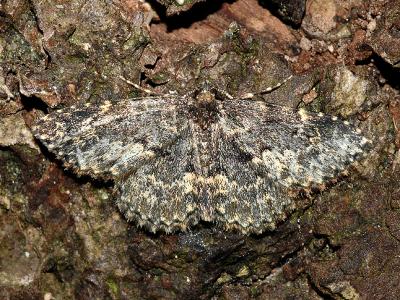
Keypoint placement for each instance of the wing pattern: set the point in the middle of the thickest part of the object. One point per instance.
(111, 139)
(267, 152)
(241, 170)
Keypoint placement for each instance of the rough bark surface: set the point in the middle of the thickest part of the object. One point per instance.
(62, 236)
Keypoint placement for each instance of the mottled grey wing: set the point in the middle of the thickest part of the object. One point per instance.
(143, 144)
(266, 152)
(111, 139)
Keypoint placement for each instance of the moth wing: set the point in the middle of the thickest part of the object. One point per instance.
(111, 139)
(266, 152)
(295, 148)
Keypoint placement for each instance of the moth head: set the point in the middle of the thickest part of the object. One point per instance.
(205, 108)
(205, 97)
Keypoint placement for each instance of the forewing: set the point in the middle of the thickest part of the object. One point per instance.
(295, 148)
(111, 139)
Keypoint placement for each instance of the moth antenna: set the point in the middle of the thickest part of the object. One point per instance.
(224, 93)
(136, 86)
(189, 94)
(267, 90)
(271, 88)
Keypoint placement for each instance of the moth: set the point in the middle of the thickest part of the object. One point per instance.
(176, 160)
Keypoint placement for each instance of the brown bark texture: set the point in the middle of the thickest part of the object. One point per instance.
(62, 236)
